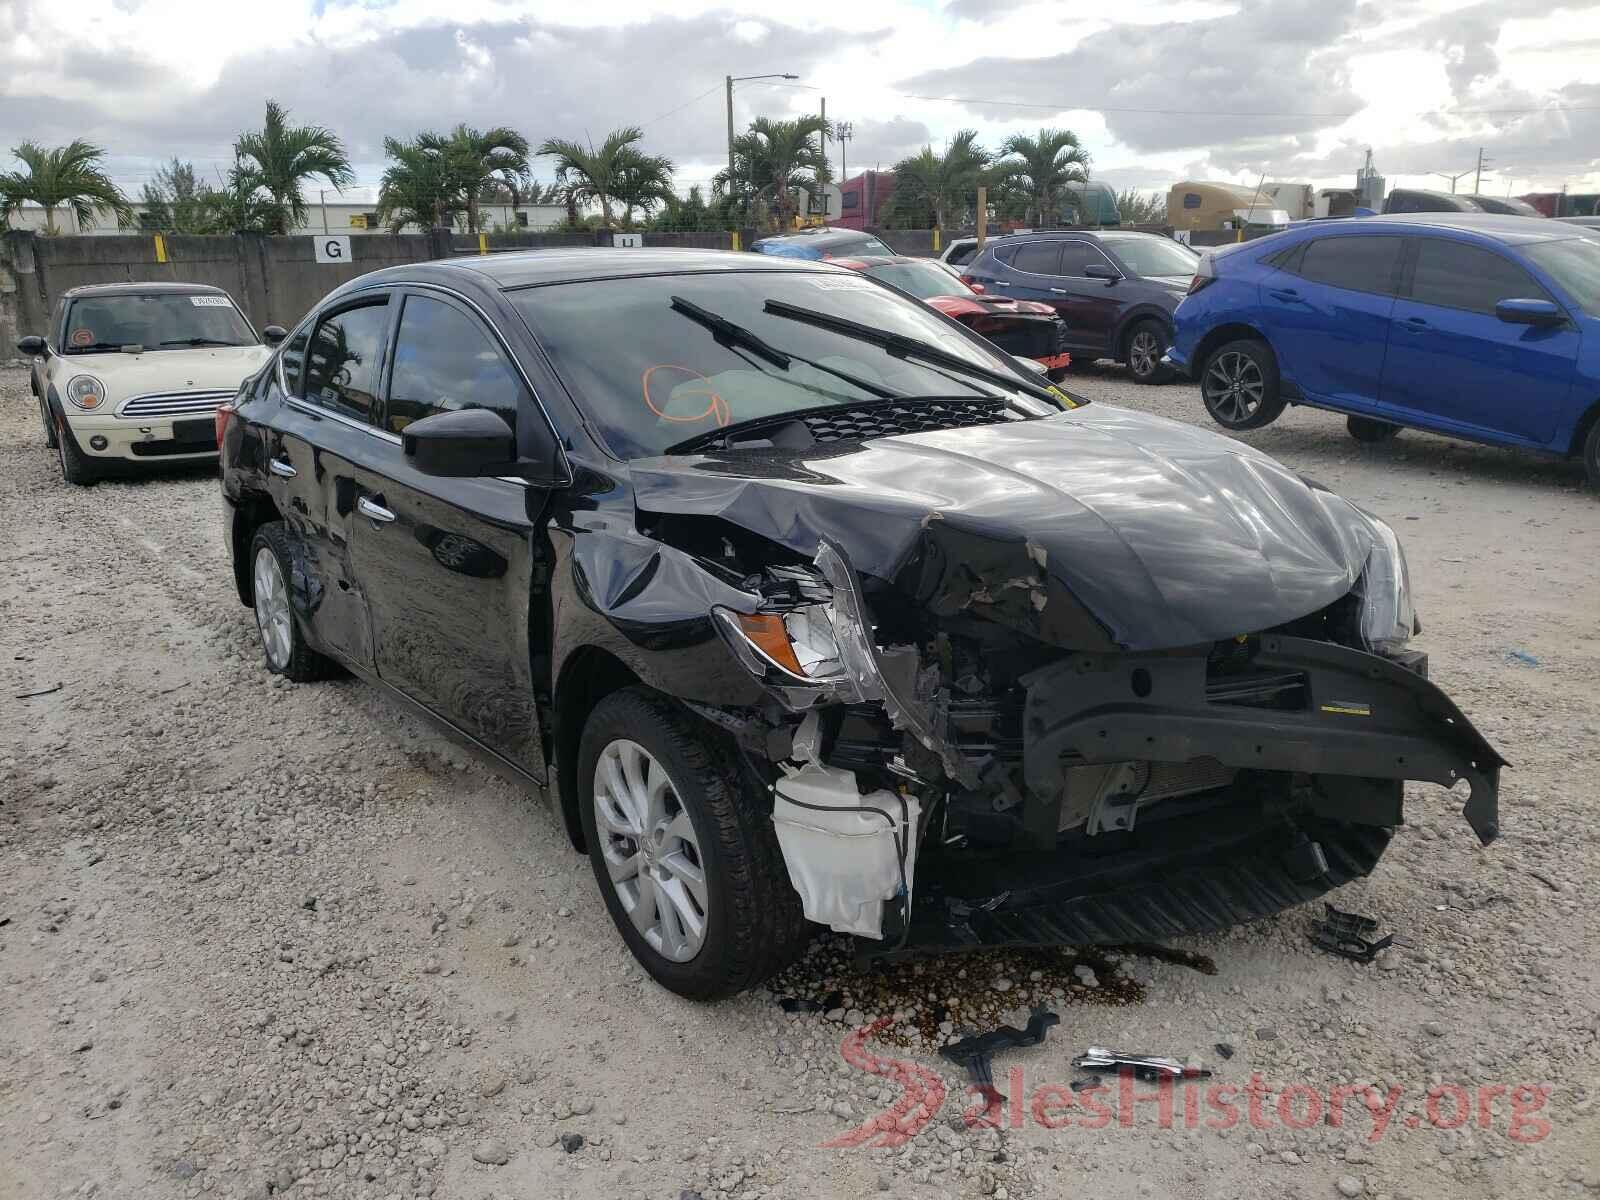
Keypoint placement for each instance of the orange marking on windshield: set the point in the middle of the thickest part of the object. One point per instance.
(716, 406)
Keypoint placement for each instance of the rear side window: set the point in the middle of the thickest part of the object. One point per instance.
(961, 257)
(1456, 275)
(292, 360)
(341, 370)
(1040, 258)
(446, 360)
(1358, 264)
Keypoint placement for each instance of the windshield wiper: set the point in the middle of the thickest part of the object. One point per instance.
(729, 334)
(93, 346)
(725, 436)
(197, 341)
(906, 347)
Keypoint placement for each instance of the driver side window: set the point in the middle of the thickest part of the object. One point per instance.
(444, 359)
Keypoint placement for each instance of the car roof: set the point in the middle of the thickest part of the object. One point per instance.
(884, 260)
(568, 264)
(1500, 227)
(142, 289)
(817, 233)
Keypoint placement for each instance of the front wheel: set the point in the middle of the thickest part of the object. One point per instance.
(51, 437)
(1591, 456)
(1371, 430)
(1147, 342)
(77, 468)
(683, 849)
(1240, 385)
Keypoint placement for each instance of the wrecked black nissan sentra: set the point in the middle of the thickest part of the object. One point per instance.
(807, 605)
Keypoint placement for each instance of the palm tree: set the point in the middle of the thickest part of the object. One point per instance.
(643, 181)
(774, 158)
(279, 158)
(416, 188)
(70, 175)
(945, 183)
(475, 158)
(1042, 165)
(242, 208)
(588, 174)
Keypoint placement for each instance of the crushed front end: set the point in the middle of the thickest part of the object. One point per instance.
(956, 767)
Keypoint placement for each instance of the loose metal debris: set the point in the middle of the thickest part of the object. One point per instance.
(1148, 1067)
(976, 1053)
(1348, 935)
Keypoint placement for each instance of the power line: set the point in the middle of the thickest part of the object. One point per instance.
(1064, 106)
(716, 87)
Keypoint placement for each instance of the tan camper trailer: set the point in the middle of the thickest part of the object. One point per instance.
(1192, 205)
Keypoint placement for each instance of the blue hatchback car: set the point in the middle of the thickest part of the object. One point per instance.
(1476, 326)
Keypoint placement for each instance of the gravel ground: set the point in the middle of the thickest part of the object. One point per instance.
(261, 939)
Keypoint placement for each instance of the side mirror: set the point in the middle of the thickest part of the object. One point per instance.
(273, 334)
(33, 346)
(1102, 271)
(469, 443)
(1529, 312)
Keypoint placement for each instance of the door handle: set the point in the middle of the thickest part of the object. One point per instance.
(1415, 324)
(1061, 291)
(377, 512)
(1288, 294)
(278, 467)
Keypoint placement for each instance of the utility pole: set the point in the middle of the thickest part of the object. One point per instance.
(1477, 182)
(844, 133)
(728, 82)
(322, 198)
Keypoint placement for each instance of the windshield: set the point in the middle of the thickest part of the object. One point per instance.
(1575, 264)
(1152, 255)
(923, 280)
(651, 374)
(164, 321)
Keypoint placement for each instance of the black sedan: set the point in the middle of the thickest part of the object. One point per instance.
(803, 603)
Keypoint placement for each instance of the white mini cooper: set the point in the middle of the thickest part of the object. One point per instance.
(133, 373)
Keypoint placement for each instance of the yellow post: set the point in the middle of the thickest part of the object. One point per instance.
(936, 246)
(983, 215)
(483, 243)
(161, 249)
(734, 234)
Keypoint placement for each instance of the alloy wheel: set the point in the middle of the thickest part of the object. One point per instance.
(1234, 387)
(272, 609)
(1144, 352)
(651, 850)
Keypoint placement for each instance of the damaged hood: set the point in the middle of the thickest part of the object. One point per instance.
(1099, 527)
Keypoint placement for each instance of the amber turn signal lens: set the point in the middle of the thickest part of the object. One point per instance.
(767, 633)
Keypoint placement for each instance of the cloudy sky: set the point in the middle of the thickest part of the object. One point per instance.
(1163, 90)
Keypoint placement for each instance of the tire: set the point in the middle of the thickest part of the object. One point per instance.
(1371, 430)
(1239, 385)
(1591, 456)
(1143, 347)
(283, 642)
(51, 437)
(76, 466)
(745, 922)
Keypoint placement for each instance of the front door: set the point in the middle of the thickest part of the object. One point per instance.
(1454, 365)
(1090, 307)
(449, 566)
(321, 432)
(1328, 317)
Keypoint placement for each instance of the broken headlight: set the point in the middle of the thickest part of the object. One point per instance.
(1387, 618)
(799, 643)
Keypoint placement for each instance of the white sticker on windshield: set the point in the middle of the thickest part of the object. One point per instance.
(842, 283)
(210, 302)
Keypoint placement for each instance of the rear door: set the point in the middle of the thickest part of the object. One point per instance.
(1028, 269)
(1454, 365)
(1328, 311)
(447, 565)
(320, 434)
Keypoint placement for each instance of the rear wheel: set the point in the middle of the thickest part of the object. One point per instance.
(1369, 429)
(1240, 385)
(76, 466)
(282, 640)
(1147, 342)
(683, 849)
(1591, 456)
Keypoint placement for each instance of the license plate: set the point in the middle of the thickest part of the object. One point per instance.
(203, 429)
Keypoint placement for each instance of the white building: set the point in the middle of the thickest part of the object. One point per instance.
(341, 217)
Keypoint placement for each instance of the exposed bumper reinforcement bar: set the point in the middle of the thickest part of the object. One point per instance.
(1366, 717)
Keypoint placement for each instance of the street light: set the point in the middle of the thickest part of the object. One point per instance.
(730, 80)
(1451, 178)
